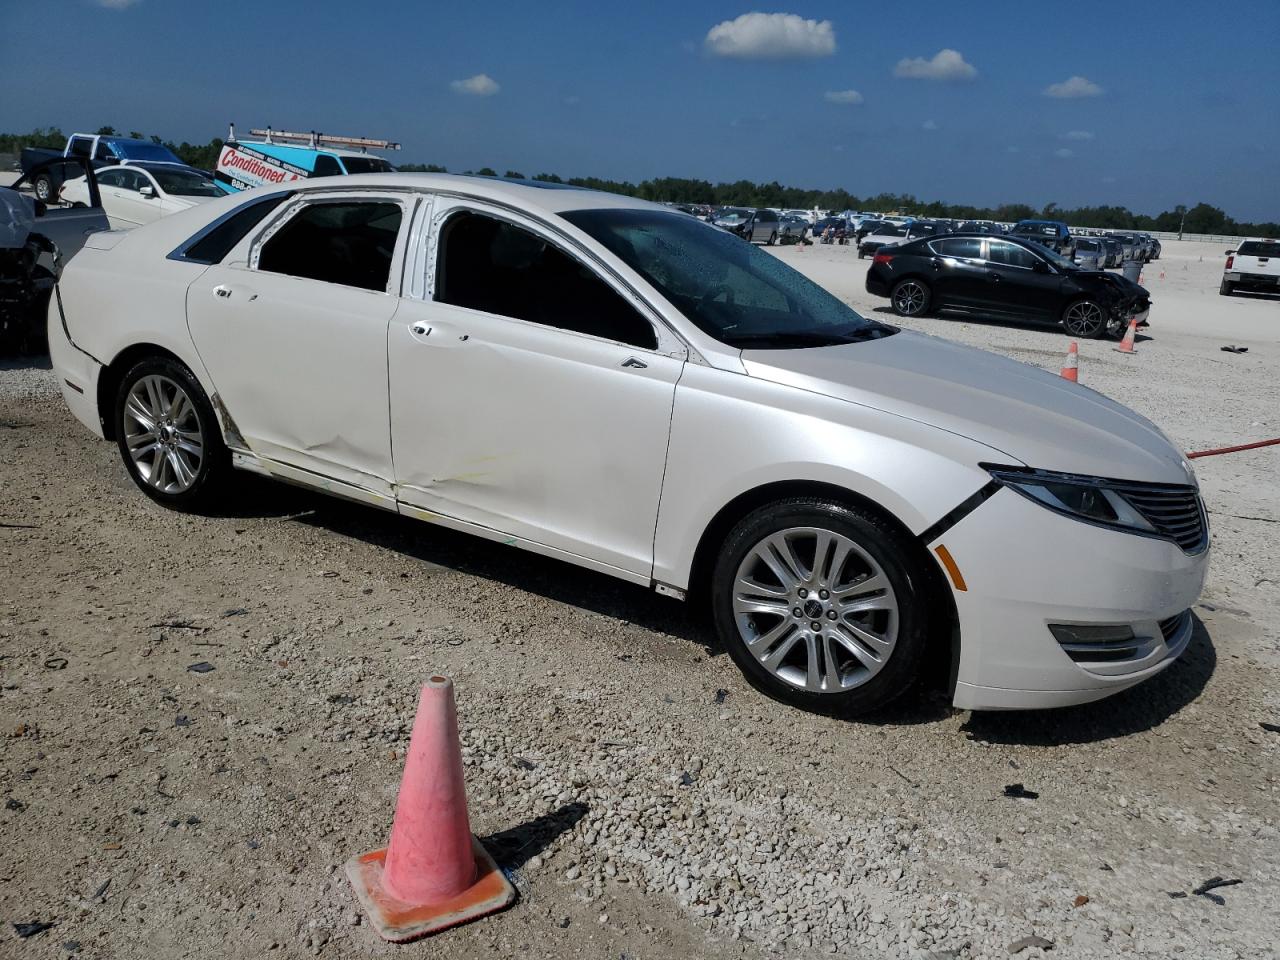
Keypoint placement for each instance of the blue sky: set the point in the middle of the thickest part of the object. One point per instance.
(1173, 103)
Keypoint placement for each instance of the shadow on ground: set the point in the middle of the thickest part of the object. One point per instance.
(515, 847)
(439, 548)
(1136, 710)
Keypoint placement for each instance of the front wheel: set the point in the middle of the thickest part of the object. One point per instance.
(910, 297)
(1086, 319)
(773, 238)
(822, 606)
(42, 187)
(168, 436)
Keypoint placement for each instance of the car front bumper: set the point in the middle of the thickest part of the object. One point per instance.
(1025, 567)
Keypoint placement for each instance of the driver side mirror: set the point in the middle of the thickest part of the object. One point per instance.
(147, 191)
(1230, 252)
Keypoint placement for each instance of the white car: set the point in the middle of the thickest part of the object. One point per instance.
(138, 193)
(621, 386)
(1253, 266)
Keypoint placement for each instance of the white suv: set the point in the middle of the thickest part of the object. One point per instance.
(1255, 265)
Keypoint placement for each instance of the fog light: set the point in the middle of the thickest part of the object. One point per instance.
(1095, 643)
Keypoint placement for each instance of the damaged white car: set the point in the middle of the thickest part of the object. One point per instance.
(618, 385)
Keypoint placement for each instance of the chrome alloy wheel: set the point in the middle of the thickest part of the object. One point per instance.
(162, 434)
(815, 609)
(909, 298)
(1084, 319)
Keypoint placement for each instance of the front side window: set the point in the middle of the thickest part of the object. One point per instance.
(184, 183)
(326, 166)
(490, 265)
(1011, 255)
(349, 242)
(732, 291)
(103, 152)
(219, 238)
(111, 178)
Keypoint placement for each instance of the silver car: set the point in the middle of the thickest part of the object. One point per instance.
(1090, 253)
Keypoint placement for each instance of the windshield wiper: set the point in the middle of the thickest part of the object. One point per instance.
(783, 339)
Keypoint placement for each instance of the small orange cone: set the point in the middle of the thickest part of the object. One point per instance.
(433, 874)
(1142, 278)
(1126, 345)
(1072, 370)
(1161, 274)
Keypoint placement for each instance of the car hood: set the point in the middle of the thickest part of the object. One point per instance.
(186, 201)
(1030, 416)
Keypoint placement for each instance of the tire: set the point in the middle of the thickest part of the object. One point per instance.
(1086, 319)
(1226, 289)
(822, 660)
(861, 254)
(773, 238)
(910, 297)
(184, 444)
(42, 187)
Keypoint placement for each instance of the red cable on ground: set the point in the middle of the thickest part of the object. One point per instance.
(1243, 446)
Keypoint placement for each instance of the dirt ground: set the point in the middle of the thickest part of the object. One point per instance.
(648, 803)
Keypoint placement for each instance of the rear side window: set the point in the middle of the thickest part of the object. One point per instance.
(966, 248)
(490, 265)
(213, 243)
(349, 242)
(80, 147)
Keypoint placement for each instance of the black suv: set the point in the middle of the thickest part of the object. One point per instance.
(1004, 276)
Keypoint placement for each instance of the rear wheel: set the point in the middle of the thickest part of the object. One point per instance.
(910, 297)
(1226, 289)
(822, 605)
(1086, 319)
(168, 436)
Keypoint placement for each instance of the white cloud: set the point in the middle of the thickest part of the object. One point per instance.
(1062, 153)
(929, 125)
(842, 96)
(1072, 88)
(1079, 135)
(481, 85)
(116, 4)
(771, 36)
(946, 65)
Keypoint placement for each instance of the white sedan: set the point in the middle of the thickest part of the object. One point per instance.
(621, 386)
(137, 193)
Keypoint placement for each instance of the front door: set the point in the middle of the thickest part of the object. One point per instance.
(529, 396)
(295, 339)
(1016, 286)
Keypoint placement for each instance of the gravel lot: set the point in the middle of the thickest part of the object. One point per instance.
(649, 803)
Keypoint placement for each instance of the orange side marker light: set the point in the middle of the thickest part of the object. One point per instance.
(949, 562)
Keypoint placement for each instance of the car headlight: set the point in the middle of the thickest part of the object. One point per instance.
(1091, 499)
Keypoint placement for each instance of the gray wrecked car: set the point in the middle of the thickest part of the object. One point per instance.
(35, 242)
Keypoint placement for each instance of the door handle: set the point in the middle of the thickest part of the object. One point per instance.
(994, 276)
(635, 364)
(420, 330)
(222, 290)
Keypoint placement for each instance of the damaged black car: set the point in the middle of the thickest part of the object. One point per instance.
(35, 241)
(1008, 277)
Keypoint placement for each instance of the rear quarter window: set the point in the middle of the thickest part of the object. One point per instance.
(215, 241)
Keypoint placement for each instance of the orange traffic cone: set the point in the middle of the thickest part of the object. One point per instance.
(433, 874)
(1161, 274)
(1072, 370)
(1126, 345)
(1142, 278)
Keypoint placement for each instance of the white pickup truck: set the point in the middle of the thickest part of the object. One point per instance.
(1254, 265)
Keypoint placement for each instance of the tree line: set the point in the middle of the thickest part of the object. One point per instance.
(1202, 218)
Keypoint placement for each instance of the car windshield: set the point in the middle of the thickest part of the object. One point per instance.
(732, 291)
(367, 165)
(184, 183)
(153, 152)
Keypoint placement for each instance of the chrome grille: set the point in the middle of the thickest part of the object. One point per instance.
(1175, 512)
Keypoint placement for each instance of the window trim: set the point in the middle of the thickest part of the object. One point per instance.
(180, 252)
(669, 343)
(287, 211)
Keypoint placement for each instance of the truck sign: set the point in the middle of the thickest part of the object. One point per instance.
(241, 167)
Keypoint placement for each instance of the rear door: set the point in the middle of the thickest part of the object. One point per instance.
(958, 270)
(293, 331)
